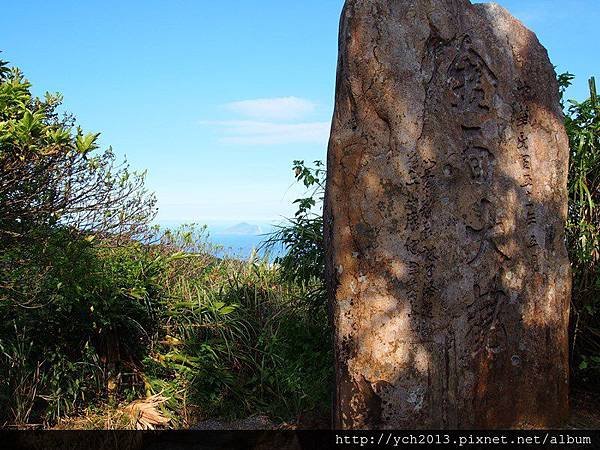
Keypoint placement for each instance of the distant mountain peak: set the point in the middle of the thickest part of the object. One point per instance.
(244, 228)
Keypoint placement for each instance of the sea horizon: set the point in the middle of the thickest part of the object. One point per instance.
(238, 239)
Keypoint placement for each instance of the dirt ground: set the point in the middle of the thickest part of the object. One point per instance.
(585, 411)
(585, 415)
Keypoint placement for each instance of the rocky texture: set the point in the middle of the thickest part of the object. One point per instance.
(249, 423)
(446, 198)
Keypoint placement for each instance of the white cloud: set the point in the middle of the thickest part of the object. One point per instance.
(272, 109)
(250, 132)
(271, 121)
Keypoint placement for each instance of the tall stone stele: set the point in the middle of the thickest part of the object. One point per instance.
(444, 220)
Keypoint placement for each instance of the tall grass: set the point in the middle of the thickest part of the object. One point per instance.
(213, 337)
(583, 231)
(245, 340)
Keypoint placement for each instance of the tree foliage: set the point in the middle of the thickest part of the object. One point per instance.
(302, 236)
(55, 184)
(582, 122)
(94, 314)
(52, 174)
(72, 280)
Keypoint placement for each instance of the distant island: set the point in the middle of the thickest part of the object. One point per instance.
(243, 228)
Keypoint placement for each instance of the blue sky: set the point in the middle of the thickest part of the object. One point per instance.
(216, 99)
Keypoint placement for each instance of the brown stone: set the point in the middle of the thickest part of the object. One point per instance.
(444, 219)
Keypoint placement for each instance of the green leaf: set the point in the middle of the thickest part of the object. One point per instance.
(87, 143)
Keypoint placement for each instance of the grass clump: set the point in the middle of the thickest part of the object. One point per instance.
(212, 337)
(239, 341)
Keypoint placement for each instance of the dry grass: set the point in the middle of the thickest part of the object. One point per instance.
(146, 414)
(143, 414)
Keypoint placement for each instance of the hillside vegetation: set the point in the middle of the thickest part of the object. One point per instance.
(107, 322)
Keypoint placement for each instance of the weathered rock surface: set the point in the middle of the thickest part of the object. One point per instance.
(446, 200)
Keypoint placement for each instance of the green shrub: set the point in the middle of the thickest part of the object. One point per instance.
(94, 315)
(238, 340)
(301, 237)
(583, 232)
(76, 292)
(97, 309)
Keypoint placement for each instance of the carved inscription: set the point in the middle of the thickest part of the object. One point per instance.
(471, 80)
(485, 233)
(480, 160)
(484, 326)
(473, 86)
(444, 177)
(522, 122)
(421, 267)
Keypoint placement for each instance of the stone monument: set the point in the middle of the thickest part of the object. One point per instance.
(445, 206)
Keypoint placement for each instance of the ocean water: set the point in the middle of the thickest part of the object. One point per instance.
(239, 245)
(234, 244)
